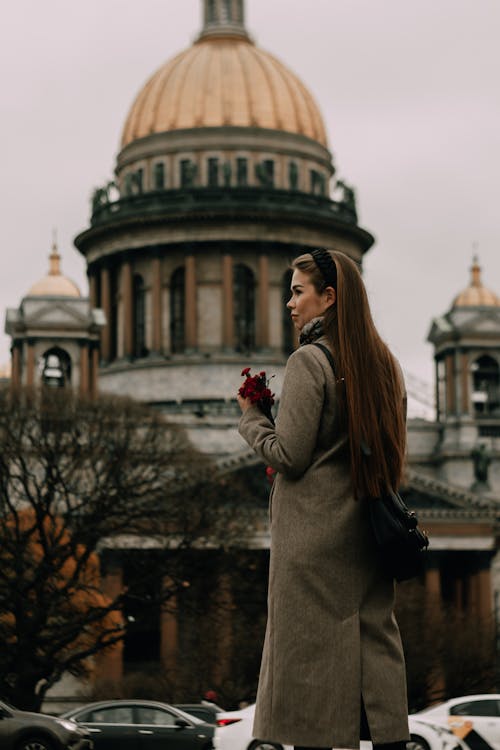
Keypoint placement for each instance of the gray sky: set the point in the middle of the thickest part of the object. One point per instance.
(409, 91)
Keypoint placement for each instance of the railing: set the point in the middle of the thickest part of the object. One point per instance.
(217, 200)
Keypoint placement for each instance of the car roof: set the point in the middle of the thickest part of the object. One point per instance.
(134, 702)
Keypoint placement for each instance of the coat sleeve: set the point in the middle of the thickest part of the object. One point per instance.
(289, 446)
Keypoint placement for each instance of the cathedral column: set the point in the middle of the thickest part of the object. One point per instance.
(465, 382)
(109, 662)
(263, 330)
(84, 369)
(128, 309)
(484, 593)
(433, 583)
(94, 371)
(451, 405)
(106, 306)
(93, 291)
(227, 303)
(169, 632)
(157, 306)
(224, 644)
(191, 311)
(472, 588)
(30, 363)
(15, 376)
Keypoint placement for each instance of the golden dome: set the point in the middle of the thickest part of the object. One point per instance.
(54, 284)
(476, 295)
(224, 80)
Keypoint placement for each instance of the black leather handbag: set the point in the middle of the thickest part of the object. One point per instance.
(400, 543)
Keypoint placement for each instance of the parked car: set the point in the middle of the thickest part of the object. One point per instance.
(235, 733)
(205, 711)
(27, 730)
(143, 725)
(474, 718)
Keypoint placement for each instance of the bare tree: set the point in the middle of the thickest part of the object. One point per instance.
(77, 475)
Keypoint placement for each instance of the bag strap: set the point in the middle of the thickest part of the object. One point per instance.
(328, 355)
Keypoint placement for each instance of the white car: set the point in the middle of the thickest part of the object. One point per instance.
(234, 732)
(474, 718)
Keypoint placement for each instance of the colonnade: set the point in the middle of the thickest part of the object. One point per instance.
(103, 299)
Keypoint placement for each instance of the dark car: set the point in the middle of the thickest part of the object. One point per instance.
(205, 711)
(142, 725)
(24, 730)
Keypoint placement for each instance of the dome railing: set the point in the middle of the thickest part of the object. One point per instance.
(106, 208)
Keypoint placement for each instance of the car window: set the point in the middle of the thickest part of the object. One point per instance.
(110, 715)
(151, 715)
(476, 708)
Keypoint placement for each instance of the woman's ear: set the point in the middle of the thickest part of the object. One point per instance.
(330, 296)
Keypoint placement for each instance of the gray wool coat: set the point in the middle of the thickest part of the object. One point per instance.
(331, 633)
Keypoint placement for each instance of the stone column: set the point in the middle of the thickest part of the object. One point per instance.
(84, 369)
(128, 309)
(191, 312)
(433, 583)
(224, 645)
(30, 364)
(263, 329)
(157, 306)
(472, 585)
(94, 371)
(169, 633)
(227, 303)
(93, 291)
(15, 376)
(450, 385)
(106, 306)
(109, 663)
(485, 596)
(465, 382)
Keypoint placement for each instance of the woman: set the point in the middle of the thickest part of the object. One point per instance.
(332, 665)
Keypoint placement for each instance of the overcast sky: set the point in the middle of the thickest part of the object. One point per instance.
(409, 91)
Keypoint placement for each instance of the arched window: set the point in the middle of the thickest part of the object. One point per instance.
(139, 308)
(288, 339)
(55, 368)
(486, 386)
(244, 308)
(177, 310)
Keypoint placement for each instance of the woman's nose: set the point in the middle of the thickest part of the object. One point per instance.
(290, 302)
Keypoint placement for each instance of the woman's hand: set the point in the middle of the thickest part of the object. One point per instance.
(244, 403)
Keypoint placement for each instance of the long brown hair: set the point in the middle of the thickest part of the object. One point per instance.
(374, 388)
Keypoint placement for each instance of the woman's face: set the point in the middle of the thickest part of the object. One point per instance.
(305, 302)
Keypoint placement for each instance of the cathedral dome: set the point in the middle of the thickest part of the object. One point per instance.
(476, 295)
(54, 284)
(224, 80)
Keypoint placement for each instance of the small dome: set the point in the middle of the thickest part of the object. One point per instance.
(224, 80)
(54, 284)
(476, 295)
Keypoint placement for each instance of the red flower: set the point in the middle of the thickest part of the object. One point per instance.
(256, 388)
(270, 474)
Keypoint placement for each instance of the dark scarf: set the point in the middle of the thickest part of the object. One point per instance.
(312, 331)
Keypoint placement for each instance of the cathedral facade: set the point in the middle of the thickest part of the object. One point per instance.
(224, 174)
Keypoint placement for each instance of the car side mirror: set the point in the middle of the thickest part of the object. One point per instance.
(181, 723)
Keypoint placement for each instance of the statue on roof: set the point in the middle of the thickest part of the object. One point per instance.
(481, 461)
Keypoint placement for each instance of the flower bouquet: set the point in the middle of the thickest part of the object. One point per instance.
(256, 388)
